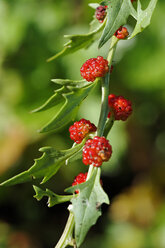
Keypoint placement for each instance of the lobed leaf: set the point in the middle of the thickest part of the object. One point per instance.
(68, 97)
(55, 99)
(86, 206)
(53, 198)
(143, 17)
(118, 12)
(77, 42)
(68, 111)
(46, 166)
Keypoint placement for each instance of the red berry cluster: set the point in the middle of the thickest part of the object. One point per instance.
(80, 129)
(93, 68)
(96, 151)
(81, 178)
(121, 107)
(100, 13)
(121, 33)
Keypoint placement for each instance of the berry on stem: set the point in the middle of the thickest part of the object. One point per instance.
(100, 13)
(96, 151)
(81, 178)
(80, 129)
(121, 33)
(93, 68)
(121, 107)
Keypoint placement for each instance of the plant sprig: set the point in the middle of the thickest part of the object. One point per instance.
(86, 197)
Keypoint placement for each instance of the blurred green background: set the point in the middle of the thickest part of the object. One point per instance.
(30, 32)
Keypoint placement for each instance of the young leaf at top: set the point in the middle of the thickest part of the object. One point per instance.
(143, 17)
(86, 206)
(118, 12)
(77, 42)
(46, 166)
(53, 198)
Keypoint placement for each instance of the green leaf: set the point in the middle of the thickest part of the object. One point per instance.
(94, 5)
(143, 17)
(86, 206)
(57, 98)
(68, 97)
(53, 198)
(118, 12)
(69, 109)
(75, 83)
(46, 166)
(54, 100)
(77, 42)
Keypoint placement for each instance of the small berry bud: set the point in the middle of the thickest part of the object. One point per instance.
(80, 129)
(96, 151)
(81, 178)
(100, 13)
(121, 33)
(121, 107)
(93, 68)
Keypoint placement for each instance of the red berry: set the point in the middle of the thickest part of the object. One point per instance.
(121, 107)
(93, 68)
(121, 33)
(100, 13)
(80, 129)
(96, 151)
(81, 178)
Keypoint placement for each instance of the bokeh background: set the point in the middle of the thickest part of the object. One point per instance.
(30, 32)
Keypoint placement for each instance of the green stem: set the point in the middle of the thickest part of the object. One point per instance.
(90, 170)
(105, 90)
(108, 126)
(112, 49)
(104, 105)
(66, 238)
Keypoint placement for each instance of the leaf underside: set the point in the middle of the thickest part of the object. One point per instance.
(87, 205)
(143, 17)
(118, 12)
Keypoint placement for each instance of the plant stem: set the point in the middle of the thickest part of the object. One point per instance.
(112, 49)
(104, 105)
(108, 126)
(66, 238)
(105, 90)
